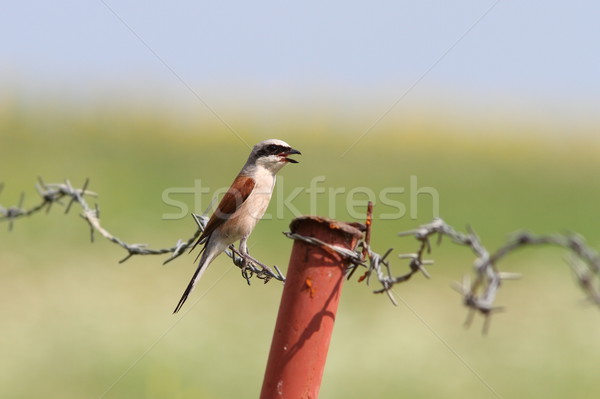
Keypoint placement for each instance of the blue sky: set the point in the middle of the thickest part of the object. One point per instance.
(545, 51)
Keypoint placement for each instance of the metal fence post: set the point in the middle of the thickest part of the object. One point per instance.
(307, 310)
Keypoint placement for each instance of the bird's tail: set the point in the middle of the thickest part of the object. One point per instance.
(207, 257)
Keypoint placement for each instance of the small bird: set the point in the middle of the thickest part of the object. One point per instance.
(242, 206)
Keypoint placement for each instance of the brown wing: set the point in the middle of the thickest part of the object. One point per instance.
(234, 197)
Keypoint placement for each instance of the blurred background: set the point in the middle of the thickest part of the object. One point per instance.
(491, 104)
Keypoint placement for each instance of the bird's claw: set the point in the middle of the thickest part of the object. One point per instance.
(247, 272)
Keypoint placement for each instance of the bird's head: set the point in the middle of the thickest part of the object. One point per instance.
(272, 154)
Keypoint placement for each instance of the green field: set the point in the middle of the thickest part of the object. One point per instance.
(76, 324)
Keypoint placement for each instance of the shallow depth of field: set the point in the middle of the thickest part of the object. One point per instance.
(77, 324)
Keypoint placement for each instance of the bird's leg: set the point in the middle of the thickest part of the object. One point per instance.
(244, 251)
(246, 254)
(244, 246)
(246, 258)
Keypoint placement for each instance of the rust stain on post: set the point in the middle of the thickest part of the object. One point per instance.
(308, 307)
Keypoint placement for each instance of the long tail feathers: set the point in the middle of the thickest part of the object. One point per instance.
(202, 266)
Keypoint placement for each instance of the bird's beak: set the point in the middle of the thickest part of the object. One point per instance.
(291, 152)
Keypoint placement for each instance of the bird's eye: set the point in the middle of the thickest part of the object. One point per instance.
(272, 148)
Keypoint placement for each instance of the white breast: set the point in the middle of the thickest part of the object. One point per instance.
(243, 221)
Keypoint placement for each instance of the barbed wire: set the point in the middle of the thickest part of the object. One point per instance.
(479, 291)
(480, 294)
(56, 193)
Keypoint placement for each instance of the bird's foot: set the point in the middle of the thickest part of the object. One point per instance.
(251, 267)
(246, 266)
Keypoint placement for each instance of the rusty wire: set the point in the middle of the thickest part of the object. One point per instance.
(479, 292)
(57, 193)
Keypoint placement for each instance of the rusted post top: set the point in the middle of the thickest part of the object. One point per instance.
(353, 229)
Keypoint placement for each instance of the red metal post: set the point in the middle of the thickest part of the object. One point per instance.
(307, 311)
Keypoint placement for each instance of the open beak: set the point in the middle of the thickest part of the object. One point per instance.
(288, 153)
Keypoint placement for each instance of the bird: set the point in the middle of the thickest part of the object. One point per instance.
(242, 206)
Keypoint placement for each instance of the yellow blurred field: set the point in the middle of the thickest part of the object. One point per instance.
(76, 324)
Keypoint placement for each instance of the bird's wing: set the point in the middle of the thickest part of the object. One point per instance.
(234, 198)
